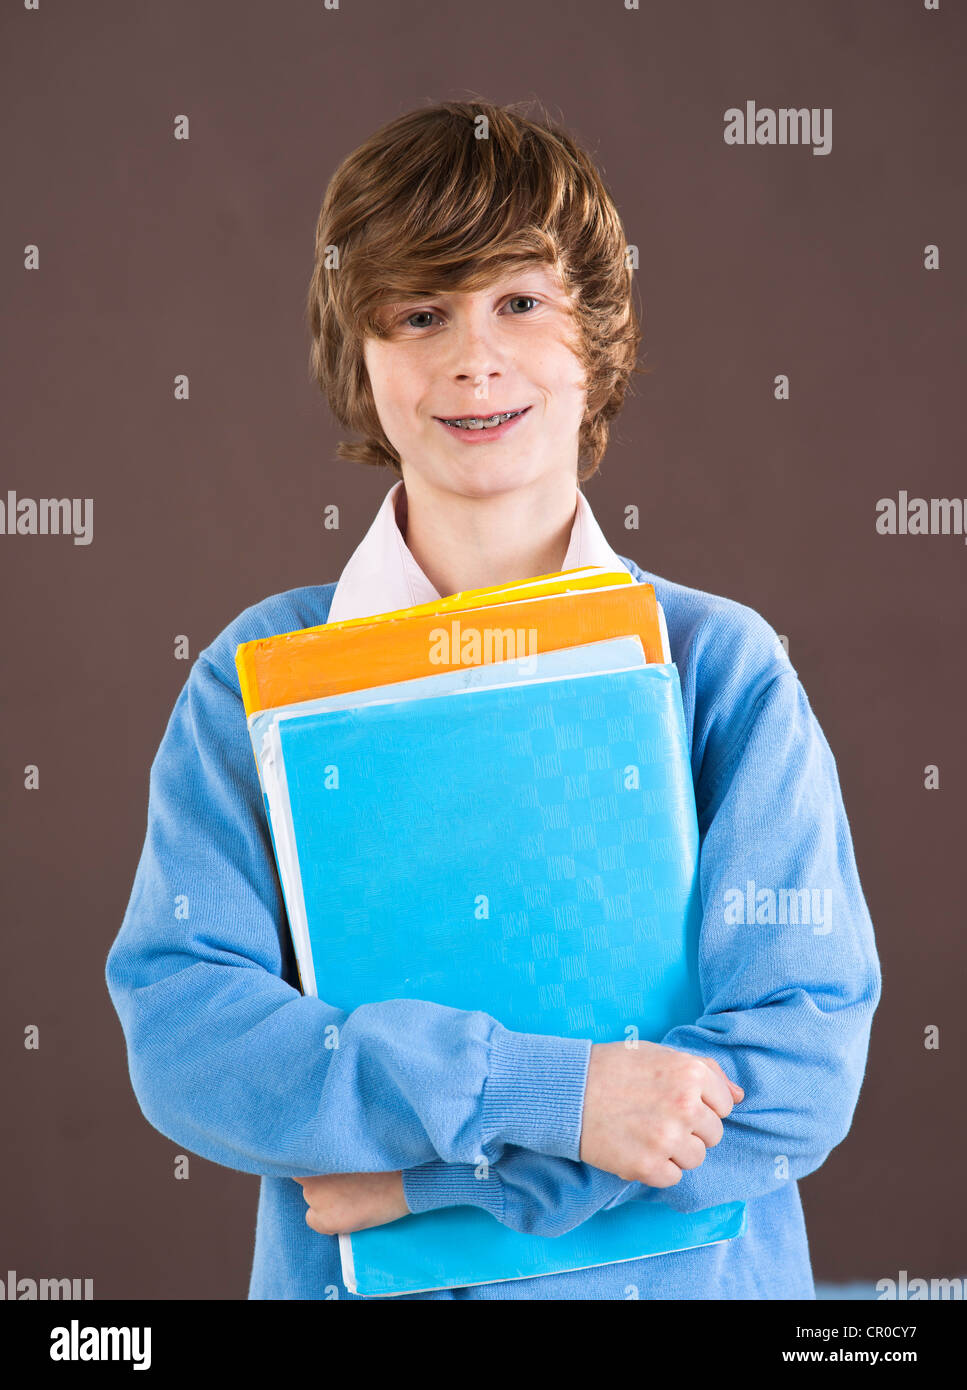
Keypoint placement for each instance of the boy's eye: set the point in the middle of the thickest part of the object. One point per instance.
(518, 297)
(428, 313)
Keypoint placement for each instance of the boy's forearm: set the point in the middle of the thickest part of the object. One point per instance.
(233, 1063)
(789, 1005)
(794, 1112)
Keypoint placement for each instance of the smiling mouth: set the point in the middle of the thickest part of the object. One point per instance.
(482, 422)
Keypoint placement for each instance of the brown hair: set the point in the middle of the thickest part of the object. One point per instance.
(424, 205)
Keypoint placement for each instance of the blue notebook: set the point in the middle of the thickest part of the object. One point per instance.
(608, 654)
(568, 803)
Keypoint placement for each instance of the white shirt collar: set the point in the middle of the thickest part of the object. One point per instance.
(382, 575)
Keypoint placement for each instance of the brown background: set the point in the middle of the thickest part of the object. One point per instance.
(160, 256)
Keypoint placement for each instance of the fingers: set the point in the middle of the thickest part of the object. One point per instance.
(689, 1152)
(717, 1091)
(708, 1128)
(714, 1066)
(691, 1149)
(665, 1174)
(320, 1226)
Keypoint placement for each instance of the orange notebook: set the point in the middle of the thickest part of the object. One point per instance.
(333, 658)
(587, 576)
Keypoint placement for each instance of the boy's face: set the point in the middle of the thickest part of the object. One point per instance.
(495, 350)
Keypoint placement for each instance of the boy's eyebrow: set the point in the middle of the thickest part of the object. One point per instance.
(391, 299)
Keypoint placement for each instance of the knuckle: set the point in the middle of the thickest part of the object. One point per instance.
(663, 1136)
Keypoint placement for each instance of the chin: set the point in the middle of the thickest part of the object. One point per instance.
(480, 478)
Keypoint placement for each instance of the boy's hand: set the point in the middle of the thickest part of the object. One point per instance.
(340, 1203)
(651, 1111)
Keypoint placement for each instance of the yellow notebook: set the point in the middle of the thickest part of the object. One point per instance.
(562, 581)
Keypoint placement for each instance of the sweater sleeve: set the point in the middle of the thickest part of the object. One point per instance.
(790, 979)
(233, 1062)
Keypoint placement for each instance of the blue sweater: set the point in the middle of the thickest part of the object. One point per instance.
(230, 1061)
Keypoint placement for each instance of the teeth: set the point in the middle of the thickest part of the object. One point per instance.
(482, 422)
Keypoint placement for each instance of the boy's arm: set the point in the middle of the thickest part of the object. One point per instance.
(787, 1005)
(233, 1063)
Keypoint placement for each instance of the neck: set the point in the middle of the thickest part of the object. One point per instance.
(471, 542)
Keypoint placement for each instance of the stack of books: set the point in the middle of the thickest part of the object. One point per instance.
(486, 802)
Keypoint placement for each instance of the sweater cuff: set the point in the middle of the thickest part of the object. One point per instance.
(534, 1092)
(439, 1184)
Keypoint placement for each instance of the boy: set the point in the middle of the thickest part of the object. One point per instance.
(472, 319)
